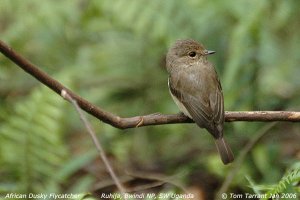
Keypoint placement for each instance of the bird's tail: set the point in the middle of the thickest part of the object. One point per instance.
(224, 150)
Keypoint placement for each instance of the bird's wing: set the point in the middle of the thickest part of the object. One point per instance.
(217, 106)
(205, 108)
(217, 100)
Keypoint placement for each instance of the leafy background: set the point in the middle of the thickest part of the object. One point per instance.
(112, 53)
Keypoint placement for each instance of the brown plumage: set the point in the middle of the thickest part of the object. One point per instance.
(196, 89)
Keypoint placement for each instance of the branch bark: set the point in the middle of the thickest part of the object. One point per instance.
(137, 121)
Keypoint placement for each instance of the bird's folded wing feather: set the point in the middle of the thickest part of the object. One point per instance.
(206, 112)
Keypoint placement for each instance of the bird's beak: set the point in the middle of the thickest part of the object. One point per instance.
(208, 52)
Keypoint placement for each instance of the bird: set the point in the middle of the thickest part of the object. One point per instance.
(195, 87)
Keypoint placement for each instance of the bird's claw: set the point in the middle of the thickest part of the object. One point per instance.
(140, 123)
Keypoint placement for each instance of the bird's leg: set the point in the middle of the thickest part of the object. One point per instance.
(181, 113)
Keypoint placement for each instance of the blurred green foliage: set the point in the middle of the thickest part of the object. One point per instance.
(112, 53)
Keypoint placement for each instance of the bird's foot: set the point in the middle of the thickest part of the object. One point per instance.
(140, 122)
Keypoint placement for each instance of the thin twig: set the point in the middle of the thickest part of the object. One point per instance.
(100, 150)
(137, 121)
(159, 178)
(240, 159)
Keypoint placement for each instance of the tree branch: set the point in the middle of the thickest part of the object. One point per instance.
(137, 121)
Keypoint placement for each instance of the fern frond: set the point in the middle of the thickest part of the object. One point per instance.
(31, 142)
(290, 179)
(288, 183)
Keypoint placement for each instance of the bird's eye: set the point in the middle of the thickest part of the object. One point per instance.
(192, 54)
